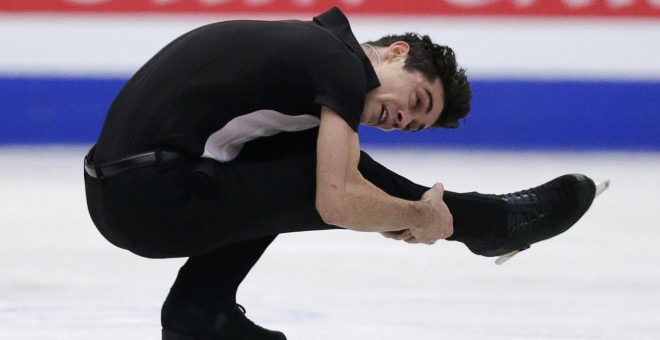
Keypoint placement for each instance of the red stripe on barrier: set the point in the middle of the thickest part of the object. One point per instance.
(532, 8)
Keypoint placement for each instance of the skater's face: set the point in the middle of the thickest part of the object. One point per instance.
(406, 100)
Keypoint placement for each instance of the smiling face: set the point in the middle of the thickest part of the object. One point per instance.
(406, 100)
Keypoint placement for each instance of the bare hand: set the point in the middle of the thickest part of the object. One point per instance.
(437, 223)
(401, 235)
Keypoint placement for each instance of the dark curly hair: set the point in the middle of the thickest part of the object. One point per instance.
(435, 61)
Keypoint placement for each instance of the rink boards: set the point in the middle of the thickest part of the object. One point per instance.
(566, 80)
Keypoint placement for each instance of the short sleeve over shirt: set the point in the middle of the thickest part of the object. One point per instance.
(225, 84)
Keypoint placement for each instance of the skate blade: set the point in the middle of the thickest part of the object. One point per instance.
(602, 186)
(506, 257)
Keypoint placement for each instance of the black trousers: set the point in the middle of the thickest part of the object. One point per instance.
(224, 215)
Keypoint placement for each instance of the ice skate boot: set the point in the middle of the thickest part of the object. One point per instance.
(541, 213)
(186, 322)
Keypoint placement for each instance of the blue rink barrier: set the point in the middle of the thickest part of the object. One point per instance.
(512, 114)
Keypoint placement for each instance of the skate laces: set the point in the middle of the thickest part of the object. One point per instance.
(543, 212)
(527, 209)
(523, 196)
(530, 206)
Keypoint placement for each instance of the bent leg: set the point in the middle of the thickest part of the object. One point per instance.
(193, 208)
(206, 286)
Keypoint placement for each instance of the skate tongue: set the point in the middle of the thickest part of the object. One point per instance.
(506, 257)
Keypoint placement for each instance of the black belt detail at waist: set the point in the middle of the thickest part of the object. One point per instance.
(114, 168)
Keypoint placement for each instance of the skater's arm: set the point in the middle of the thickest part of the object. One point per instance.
(344, 198)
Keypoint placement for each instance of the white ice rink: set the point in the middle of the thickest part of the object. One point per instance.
(59, 279)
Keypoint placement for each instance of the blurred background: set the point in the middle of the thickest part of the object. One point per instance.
(559, 86)
(563, 75)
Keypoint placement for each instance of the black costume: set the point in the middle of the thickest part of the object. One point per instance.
(238, 104)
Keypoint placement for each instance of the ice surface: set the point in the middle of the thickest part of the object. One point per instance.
(59, 279)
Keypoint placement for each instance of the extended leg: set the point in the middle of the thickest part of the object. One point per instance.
(497, 225)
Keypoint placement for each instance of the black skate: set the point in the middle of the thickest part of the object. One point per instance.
(541, 213)
(230, 324)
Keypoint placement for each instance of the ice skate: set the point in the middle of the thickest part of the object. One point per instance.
(543, 212)
(600, 187)
(186, 322)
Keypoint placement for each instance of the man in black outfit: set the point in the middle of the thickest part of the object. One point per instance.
(239, 131)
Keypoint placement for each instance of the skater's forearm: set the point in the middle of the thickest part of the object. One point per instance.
(346, 199)
(361, 206)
